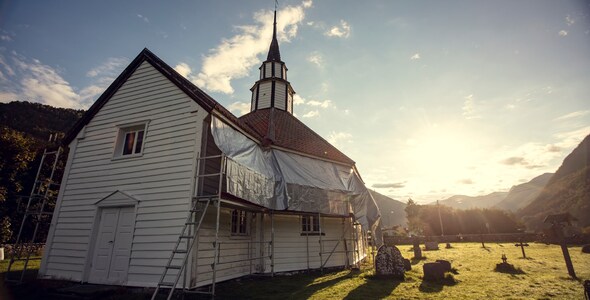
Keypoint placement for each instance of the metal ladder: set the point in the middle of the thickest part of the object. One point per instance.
(195, 218)
(39, 192)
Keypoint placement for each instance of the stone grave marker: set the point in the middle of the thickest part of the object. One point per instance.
(431, 245)
(389, 262)
(417, 250)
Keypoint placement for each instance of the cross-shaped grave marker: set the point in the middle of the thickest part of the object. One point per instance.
(522, 245)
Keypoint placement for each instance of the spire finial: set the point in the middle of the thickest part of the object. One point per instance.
(273, 51)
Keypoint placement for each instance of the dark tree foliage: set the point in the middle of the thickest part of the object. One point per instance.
(456, 221)
(24, 131)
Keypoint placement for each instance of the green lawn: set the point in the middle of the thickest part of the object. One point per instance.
(544, 277)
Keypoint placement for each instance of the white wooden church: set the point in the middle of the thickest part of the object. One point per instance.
(162, 183)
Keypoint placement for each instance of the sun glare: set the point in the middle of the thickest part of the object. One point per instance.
(445, 156)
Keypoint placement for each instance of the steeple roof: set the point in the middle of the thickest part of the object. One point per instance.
(273, 52)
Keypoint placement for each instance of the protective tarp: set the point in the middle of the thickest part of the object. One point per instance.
(283, 180)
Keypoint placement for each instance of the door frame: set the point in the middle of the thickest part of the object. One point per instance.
(116, 199)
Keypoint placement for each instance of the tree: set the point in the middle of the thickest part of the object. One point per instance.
(415, 224)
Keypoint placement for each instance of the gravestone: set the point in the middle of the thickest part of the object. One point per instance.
(389, 262)
(445, 264)
(417, 250)
(431, 245)
(433, 271)
(407, 264)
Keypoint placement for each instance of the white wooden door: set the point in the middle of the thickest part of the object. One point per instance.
(113, 246)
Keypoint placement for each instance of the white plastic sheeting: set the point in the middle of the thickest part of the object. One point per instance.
(283, 180)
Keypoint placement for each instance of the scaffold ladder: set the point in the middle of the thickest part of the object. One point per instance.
(35, 211)
(188, 235)
(190, 231)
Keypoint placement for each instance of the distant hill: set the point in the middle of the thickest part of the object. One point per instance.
(468, 202)
(567, 191)
(522, 195)
(37, 120)
(392, 211)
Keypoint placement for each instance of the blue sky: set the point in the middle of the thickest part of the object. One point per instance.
(430, 98)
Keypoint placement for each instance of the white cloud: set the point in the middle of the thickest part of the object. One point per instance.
(236, 56)
(569, 20)
(336, 138)
(572, 138)
(5, 38)
(144, 18)
(183, 69)
(311, 114)
(241, 108)
(111, 67)
(342, 32)
(572, 115)
(562, 33)
(469, 111)
(307, 3)
(322, 104)
(31, 80)
(415, 56)
(298, 100)
(41, 83)
(316, 58)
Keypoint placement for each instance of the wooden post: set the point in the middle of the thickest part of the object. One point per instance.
(557, 229)
(522, 245)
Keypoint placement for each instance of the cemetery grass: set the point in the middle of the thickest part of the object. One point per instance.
(543, 276)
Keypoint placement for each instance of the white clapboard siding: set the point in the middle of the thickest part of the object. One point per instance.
(278, 71)
(160, 179)
(280, 95)
(264, 94)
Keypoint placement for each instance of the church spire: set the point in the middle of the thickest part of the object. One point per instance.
(273, 90)
(273, 52)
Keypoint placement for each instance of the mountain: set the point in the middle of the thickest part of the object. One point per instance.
(37, 120)
(467, 202)
(567, 191)
(392, 211)
(522, 195)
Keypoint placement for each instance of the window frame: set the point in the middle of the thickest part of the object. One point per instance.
(310, 225)
(139, 129)
(239, 223)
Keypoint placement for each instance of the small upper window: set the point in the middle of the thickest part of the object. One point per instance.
(310, 224)
(239, 222)
(130, 140)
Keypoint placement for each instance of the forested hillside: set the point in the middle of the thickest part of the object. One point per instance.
(24, 132)
(567, 191)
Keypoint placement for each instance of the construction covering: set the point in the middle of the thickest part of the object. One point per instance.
(282, 180)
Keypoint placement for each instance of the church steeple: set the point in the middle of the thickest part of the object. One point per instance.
(273, 52)
(273, 90)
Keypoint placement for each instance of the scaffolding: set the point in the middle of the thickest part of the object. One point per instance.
(202, 255)
(37, 211)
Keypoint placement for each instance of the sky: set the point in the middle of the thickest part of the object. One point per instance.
(429, 98)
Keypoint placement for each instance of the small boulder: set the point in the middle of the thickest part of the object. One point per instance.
(586, 248)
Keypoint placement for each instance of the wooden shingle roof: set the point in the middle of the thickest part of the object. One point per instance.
(281, 129)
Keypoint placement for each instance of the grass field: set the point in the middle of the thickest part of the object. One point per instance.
(543, 276)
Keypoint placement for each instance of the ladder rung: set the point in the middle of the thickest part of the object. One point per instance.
(23, 259)
(39, 213)
(166, 284)
(179, 251)
(174, 267)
